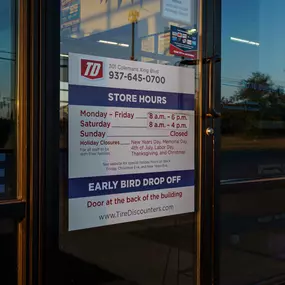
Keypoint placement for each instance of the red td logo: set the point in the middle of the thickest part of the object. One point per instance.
(91, 69)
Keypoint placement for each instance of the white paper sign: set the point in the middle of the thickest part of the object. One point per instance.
(131, 141)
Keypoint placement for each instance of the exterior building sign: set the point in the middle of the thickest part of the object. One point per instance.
(180, 11)
(182, 43)
(131, 141)
(70, 17)
(163, 43)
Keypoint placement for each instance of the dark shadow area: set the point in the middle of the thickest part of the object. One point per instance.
(8, 253)
(76, 271)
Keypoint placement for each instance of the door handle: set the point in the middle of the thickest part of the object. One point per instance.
(210, 131)
(191, 62)
(212, 112)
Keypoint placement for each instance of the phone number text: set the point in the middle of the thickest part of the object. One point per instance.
(136, 77)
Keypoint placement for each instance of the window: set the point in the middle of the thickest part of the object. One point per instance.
(8, 138)
(154, 251)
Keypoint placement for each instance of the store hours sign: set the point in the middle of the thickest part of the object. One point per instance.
(131, 141)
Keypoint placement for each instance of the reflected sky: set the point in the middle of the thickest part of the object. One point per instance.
(260, 21)
(7, 54)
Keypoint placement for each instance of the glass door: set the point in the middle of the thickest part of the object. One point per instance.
(166, 239)
(13, 254)
(252, 149)
(144, 235)
(138, 109)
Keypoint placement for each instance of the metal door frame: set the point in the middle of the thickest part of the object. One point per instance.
(44, 94)
(44, 59)
(208, 146)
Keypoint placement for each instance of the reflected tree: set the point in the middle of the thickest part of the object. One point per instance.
(6, 122)
(260, 88)
(5, 129)
(262, 104)
(254, 89)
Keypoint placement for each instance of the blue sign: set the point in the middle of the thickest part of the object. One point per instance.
(183, 43)
(70, 17)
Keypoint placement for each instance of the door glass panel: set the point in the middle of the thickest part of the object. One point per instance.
(7, 100)
(8, 249)
(253, 142)
(252, 89)
(154, 251)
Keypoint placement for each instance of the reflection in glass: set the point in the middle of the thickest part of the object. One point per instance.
(253, 143)
(157, 251)
(7, 100)
(253, 90)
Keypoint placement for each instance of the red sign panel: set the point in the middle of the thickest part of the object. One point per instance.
(91, 69)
